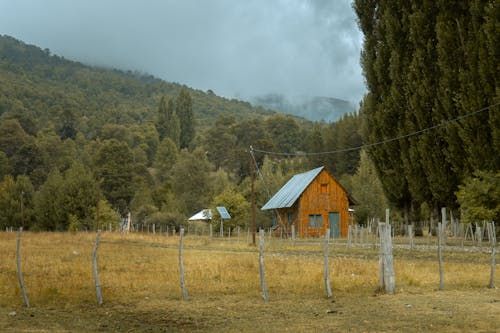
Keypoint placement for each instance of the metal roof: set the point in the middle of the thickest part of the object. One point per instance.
(292, 190)
(205, 214)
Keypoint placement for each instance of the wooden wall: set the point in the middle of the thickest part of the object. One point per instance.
(313, 201)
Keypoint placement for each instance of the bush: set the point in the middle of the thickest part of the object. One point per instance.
(479, 197)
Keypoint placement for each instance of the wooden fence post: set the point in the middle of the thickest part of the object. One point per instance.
(96, 274)
(325, 265)
(349, 236)
(493, 240)
(181, 267)
(293, 234)
(261, 266)
(19, 271)
(479, 238)
(410, 234)
(440, 255)
(389, 265)
(386, 265)
(381, 228)
(443, 224)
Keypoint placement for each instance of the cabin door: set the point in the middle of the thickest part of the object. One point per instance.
(334, 225)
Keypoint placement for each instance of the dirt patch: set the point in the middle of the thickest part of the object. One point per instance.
(440, 311)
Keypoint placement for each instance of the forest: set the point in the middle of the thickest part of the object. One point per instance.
(80, 144)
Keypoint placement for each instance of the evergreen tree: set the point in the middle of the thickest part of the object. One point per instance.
(49, 208)
(174, 124)
(67, 122)
(220, 142)
(367, 190)
(162, 119)
(165, 158)
(184, 110)
(191, 181)
(16, 202)
(426, 62)
(116, 170)
(379, 123)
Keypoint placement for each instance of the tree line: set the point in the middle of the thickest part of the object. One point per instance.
(426, 63)
(81, 145)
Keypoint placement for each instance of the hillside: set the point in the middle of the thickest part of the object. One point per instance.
(326, 109)
(76, 139)
(37, 85)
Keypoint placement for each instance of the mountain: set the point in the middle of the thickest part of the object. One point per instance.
(39, 87)
(326, 109)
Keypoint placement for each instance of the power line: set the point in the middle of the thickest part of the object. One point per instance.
(369, 145)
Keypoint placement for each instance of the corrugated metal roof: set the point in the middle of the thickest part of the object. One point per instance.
(205, 214)
(292, 190)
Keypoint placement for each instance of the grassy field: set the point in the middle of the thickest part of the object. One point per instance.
(140, 283)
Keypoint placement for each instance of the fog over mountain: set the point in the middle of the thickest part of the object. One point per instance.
(315, 108)
(237, 49)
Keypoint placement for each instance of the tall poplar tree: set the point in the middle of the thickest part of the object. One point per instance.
(431, 68)
(184, 110)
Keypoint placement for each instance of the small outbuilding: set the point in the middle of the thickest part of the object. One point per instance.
(313, 201)
(202, 215)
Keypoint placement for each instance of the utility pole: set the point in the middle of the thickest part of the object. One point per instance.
(252, 179)
(97, 210)
(22, 209)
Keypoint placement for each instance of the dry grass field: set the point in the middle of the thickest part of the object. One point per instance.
(140, 283)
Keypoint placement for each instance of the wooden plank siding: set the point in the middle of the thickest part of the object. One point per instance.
(308, 201)
(313, 201)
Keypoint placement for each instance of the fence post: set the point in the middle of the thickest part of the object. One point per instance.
(261, 266)
(388, 258)
(349, 236)
(293, 234)
(325, 265)
(479, 236)
(443, 224)
(410, 234)
(96, 274)
(440, 255)
(493, 239)
(19, 271)
(386, 266)
(381, 233)
(181, 267)
(210, 230)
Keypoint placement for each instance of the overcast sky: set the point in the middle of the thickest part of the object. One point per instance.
(237, 48)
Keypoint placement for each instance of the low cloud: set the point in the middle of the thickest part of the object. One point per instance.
(236, 48)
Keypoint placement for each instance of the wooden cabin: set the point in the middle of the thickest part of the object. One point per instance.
(313, 201)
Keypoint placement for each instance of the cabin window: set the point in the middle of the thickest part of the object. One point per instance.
(290, 217)
(315, 220)
(323, 189)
